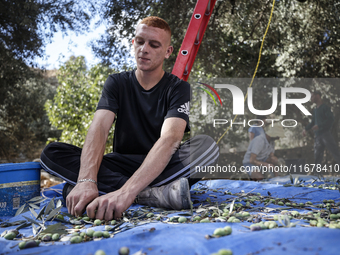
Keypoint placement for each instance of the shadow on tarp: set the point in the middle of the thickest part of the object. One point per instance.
(190, 238)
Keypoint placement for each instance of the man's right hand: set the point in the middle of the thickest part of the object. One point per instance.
(80, 196)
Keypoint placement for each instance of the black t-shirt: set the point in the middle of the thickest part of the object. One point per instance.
(140, 113)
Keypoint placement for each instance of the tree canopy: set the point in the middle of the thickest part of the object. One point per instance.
(302, 42)
(26, 26)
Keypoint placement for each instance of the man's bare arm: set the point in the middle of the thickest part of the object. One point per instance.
(91, 158)
(115, 203)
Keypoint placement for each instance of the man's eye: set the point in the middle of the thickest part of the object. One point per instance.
(140, 42)
(154, 45)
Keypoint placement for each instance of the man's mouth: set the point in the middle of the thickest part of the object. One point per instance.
(143, 59)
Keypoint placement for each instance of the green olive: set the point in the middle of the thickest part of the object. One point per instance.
(245, 214)
(196, 218)
(313, 222)
(97, 222)
(320, 224)
(333, 216)
(228, 230)
(272, 224)
(124, 251)
(106, 234)
(100, 252)
(22, 245)
(173, 219)
(60, 217)
(149, 215)
(113, 222)
(55, 237)
(90, 232)
(98, 234)
(225, 252)
(220, 232)
(10, 236)
(86, 218)
(231, 219)
(76, 239)
(182, 219)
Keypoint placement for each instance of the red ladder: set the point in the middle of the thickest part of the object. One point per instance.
(193, 38)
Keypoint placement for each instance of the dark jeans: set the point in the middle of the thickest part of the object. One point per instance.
(63, 160)
(322, 141)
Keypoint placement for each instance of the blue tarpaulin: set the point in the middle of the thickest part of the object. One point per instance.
(190, 238)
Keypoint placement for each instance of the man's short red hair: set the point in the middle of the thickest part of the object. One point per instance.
(154, 21)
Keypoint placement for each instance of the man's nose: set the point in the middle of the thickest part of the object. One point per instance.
(145, 48)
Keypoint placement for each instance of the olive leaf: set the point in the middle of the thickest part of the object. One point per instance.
(23, 225)
(291, 178)
(53, 213)
(20, 210)
(35, 199)
(34, 213)
(32, 221)
(232, 206)
(185, 214)
(59, 203)
(49, 207)
(34, 206)
(34, 229)
(201, 210)
(56, 228)
(41, 212)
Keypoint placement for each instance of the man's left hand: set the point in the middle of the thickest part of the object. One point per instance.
(315, 128)
(110, 206)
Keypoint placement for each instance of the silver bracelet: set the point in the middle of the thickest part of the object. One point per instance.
(86, 180)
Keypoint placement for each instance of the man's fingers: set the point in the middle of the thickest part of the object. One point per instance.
(91, 208)
(101, 209)
(79, 208)
(117, 214)
(110, 210)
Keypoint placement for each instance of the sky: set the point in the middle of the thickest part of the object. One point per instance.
(63, 47)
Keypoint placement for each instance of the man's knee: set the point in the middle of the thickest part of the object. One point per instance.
(204, 146)
(203, 141)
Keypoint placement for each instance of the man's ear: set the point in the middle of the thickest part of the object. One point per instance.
(133, 41)
(169, 50)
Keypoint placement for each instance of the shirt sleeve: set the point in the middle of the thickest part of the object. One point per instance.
(110, 95)
(179, 102)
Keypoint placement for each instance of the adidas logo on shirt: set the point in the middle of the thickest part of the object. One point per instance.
(184, 108)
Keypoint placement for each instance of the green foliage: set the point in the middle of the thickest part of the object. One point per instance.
(24, 126)
(74, 105)
(26, 27)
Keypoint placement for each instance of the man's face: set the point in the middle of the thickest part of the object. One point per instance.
(151, 45)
